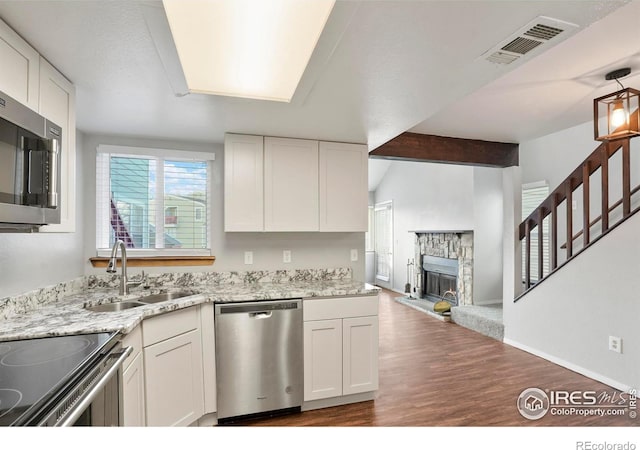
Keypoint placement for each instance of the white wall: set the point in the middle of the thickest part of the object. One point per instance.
(447, 197)
(425, 197)
(487, 235)
(569, 316)
(308, 250)
(31, 261)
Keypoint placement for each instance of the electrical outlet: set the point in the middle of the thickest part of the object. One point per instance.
(248, 257)
(615, 344)
(354, 254)
(286, 256)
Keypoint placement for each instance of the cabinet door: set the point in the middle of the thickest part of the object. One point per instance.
(20, 68)
(133, 408)
(322, 359)
(173, 369)
(343, 187)
(243, 183)
(290, 185)
(57, 103)
(360, 354)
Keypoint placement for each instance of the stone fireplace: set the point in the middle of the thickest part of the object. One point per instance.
(445, 263)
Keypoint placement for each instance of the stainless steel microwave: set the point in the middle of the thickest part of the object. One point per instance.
(30, 151)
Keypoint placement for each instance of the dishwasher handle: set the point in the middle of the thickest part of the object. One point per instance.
(258, 310)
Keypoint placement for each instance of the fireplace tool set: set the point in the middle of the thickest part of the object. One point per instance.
(407, 286)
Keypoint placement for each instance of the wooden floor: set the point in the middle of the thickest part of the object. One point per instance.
(440, 374)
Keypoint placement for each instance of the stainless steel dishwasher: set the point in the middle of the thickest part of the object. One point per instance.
(259, 357)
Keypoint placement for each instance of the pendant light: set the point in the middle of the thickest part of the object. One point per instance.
(616, 115)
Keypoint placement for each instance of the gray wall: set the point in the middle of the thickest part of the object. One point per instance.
(487, 233)
(308, 250)
(31, 261)
(443, 197)
(570, 316)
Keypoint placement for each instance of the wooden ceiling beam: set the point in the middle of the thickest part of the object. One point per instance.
(448, 150)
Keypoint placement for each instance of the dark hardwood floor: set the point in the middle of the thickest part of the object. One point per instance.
(440, 374)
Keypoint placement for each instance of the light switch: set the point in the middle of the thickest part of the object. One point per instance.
(286, 256)
(354, 254)
(248, 257)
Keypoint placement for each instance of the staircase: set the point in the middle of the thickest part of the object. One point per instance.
(589, 186)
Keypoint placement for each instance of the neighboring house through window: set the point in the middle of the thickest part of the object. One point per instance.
(154, 200)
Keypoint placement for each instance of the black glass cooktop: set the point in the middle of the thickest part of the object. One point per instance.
(34, 370)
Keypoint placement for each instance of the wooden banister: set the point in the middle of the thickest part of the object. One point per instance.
(597, 219)
(597, 160)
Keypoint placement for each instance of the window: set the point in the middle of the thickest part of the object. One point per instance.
(171, 215)
(199, 214)
(156, 201)
(532, 195)
(383, 213)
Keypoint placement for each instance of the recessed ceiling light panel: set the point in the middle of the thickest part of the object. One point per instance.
(246, 48)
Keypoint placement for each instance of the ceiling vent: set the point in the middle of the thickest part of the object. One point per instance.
(541, 33)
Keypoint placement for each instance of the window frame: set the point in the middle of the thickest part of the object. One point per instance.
(385, 206)
(103, 196)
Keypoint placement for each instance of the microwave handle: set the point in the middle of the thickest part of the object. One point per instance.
(54, 161)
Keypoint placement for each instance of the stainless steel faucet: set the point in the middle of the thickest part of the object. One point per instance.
(125, 284)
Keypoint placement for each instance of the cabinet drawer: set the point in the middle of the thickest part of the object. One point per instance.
(160, 328)
(134, 340)
(338, 308)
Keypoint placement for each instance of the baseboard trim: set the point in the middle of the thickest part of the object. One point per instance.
(337, 401)
(568, 365)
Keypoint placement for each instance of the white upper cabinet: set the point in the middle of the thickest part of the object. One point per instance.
(283, 184)
(290, 185)
(243, 183)
(57, 103)
(19, 70)
(343, 187)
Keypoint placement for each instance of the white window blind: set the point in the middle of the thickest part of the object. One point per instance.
(369, 235)
(156, 201)
(383, 214)
(532, 195)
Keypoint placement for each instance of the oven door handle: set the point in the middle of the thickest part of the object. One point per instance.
(78, 409)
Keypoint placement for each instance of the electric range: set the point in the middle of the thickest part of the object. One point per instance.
(37, 374)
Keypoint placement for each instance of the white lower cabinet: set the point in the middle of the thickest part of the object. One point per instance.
(133, 405)
(174, 381)
(359, 354)
(340, 347)
(173, 368)
(322, 359)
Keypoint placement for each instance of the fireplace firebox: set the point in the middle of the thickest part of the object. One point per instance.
(439, 275)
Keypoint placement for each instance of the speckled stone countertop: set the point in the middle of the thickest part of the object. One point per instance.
(67, 315)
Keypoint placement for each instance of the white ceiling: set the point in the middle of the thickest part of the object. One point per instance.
(380, 68)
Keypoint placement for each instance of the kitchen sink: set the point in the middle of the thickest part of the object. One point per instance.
(163, 297)
(114, 307)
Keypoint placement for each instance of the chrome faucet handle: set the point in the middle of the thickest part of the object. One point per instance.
(139, 281)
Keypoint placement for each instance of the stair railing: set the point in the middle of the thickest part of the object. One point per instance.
(599, 159)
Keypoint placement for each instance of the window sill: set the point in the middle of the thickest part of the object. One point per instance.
(157, 261)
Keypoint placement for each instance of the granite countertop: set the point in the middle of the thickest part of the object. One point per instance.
(68, 316)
